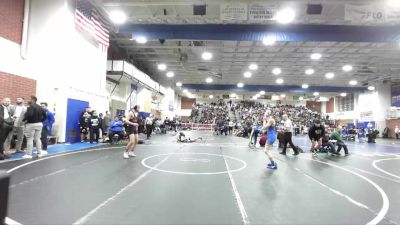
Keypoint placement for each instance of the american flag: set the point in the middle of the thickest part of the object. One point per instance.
(90, 20)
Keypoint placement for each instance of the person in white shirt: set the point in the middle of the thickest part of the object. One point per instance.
(231, 125)
(19, 111)
(287, 135)
(397, 131)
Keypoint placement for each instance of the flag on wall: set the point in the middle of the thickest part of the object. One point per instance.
(88, 19)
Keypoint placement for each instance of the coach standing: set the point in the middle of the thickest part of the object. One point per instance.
(34, 118)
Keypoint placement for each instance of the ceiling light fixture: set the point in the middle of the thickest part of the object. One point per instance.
(277, 71)
(170, 74)
(206, 55)
(117, 17)
(316, 93)
(268, 41)
(316, 56)
(285, 16)
(353, 82)
(393, 3)
(304, 86)
(247, 74)
(279, 81)
(179, 84)
(209, 80)
(141, 40)
(347, 68)
(162, 66)
(240, 85)
(329, 75)
(262, 92)
(343, 94)
(253, 66)
(371, 88)
(310, 71)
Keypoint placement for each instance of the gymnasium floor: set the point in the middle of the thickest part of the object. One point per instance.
(220, 181)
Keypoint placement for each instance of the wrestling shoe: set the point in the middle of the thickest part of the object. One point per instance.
(131, 154)
(273, 167)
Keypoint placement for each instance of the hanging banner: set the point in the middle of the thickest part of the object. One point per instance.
(259, 11)
(392, 14)
(371, 13)
(233, 11)
(396, 95)
(365, 13)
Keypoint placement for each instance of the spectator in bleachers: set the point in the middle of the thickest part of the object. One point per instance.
(47, 125)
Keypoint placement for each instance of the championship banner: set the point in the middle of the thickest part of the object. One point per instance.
(396, 95)
(233, 11)
(259, 11)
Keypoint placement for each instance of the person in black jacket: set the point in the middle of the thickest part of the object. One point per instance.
(94, 126)
(84, 126)
(6, 124)
(34, 117)
(315, 133)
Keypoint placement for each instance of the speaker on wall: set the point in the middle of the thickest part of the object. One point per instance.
(199, 10)
(314, 9)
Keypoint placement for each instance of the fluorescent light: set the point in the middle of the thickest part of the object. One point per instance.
(117, 17)
(371, 88)
(310, 71)
(162, 66)
(179, 84)
(285, 16)
(185, 91)
(323, 99)
(258, 95)
(253, 66)
(329, 75)
(141, 40)
(305, 86)
(316, 93)
(247, 74)
(353, 82)
(283, 95)
(209, 80)
(240, 85)
(232, 95)
(301, 98)
(211, 96)
(170, 74)
(347, 68)
(262, 92)
(206, 55)
(343, 94)
(279, 81)
(315, 56)
(269, 40)
(277, 71)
